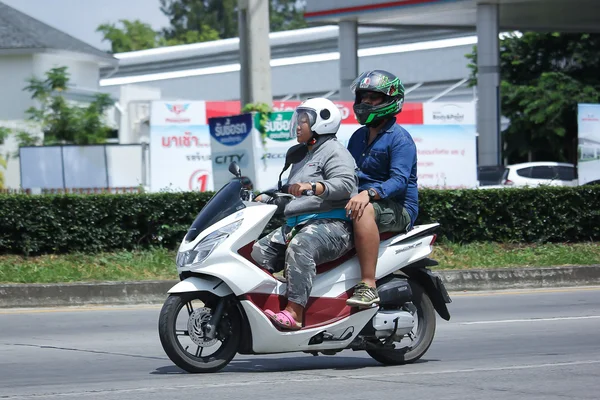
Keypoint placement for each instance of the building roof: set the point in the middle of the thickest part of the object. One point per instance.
(300, 42)
(19, 31)
(305, 63)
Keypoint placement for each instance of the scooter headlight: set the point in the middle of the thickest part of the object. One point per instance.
(206, 246)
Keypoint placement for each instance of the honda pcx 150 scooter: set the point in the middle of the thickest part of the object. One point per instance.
(218, 308)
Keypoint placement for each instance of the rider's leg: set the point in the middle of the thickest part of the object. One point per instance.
(366, 241)
(318, 242)
(378, 217)
(268, 251)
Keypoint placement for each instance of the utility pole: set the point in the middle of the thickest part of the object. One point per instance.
(488, 84)
(255, 52)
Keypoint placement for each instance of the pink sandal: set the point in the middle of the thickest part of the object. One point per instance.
(284, 320)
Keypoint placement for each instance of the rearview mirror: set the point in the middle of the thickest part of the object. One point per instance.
(234, 168)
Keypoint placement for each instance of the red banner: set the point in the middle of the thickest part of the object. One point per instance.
(412, 113)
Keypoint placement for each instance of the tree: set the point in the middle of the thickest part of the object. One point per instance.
(189, 37)
(4, 133)
(543, 78)
(135, 35)
(61, 122)
(194, 21)
(286, 15)
(201, 16)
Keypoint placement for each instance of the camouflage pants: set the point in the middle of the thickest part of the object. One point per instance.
(317, 242)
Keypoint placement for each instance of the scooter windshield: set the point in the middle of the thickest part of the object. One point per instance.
(224, 203)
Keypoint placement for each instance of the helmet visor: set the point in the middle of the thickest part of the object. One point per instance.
(362, 79)
(302, 116)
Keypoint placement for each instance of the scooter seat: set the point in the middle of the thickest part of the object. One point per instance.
(246, 250)
(321, 268)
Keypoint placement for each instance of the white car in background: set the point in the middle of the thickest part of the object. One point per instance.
(538, 174)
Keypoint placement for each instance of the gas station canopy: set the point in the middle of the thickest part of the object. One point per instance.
(487, 17)
(532, 15)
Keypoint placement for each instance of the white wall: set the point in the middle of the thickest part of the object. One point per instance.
(14, 101)
(14, 71)
(83, 74)
(134, 101)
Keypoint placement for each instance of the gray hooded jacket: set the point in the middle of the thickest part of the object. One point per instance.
(330, 163)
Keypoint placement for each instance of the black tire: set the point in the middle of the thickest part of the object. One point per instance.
(424, 335)
(230, 322)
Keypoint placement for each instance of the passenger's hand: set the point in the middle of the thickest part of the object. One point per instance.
(356, 205)
(258, 198)
(297, 188)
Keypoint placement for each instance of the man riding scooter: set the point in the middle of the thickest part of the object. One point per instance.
(386, 156)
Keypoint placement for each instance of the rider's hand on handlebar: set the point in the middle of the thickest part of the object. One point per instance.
(296, 189)
(356, 205)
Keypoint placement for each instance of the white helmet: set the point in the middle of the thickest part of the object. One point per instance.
(324, 116)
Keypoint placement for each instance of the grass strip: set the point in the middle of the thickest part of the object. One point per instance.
(159, 264)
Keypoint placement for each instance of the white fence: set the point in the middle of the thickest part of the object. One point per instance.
(83, 167)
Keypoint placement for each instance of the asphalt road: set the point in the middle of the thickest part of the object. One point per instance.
(503, 345)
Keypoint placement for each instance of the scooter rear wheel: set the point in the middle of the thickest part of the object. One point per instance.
(183, 339)
(422, 338)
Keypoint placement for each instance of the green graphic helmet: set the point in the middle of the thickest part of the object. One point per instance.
(377, 81)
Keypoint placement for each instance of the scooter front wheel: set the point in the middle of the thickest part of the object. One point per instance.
(182, 330)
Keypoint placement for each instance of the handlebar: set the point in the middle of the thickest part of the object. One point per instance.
(247, 195)
(307, 192)
(273, 193)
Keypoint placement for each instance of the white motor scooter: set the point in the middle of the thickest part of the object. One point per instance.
(218, 308)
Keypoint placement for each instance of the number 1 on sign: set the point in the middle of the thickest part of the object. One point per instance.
(202, 182)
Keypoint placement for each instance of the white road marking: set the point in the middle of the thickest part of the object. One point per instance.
(490, 369)
(510, 321)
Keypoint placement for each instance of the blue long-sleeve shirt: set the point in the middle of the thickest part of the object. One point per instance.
(388, 165)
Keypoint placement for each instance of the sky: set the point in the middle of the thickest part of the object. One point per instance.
(80, 18)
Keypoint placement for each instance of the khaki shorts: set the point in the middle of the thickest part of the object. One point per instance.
(390, 216)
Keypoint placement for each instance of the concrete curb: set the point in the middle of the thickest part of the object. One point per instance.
(149, 292)
(520, 278)
(77, 294)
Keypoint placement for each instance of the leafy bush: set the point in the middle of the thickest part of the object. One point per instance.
(545, 214)
(60, 121)
(105, 222)
(93, 223)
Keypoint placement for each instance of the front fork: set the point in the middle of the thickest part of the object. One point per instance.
(210, 329)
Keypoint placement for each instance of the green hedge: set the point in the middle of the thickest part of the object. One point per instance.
(93, 223)
(546, 214)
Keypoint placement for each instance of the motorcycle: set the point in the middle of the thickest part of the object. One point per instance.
(219, 305)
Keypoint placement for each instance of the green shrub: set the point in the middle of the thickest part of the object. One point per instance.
(545, 214)
(105, 222)
(93, 223)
